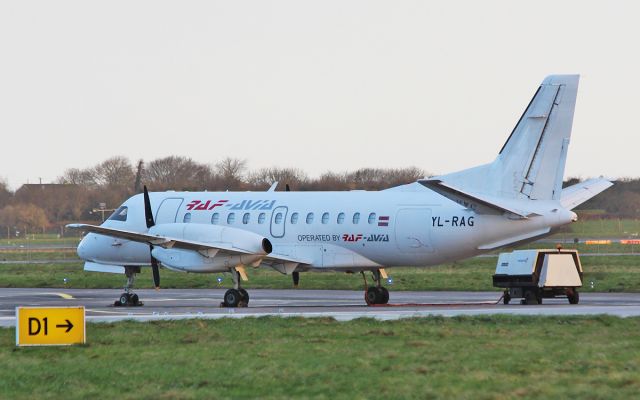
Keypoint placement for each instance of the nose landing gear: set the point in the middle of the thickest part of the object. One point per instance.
(128, 298)
(378, 294)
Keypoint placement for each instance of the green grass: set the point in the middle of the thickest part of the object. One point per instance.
(33, 255)
(39, 239)
(492, 357)
(596, 228)
(608, 274)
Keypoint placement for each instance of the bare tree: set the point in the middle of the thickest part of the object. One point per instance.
(115, 171)
(137, 186)
(231, 171)
(328, 181)
(5, 193)
(265, 177)
(77, 176)
(176, 173)
(24, 216)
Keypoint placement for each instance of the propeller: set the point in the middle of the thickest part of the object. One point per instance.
(295, 275)
(148, 216)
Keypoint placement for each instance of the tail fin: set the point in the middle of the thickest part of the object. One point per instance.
(531, 163)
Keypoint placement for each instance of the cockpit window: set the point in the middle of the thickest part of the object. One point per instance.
(120, 214)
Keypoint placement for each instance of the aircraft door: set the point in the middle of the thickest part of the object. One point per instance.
(168, 211)
(278, 221)
(413, 230)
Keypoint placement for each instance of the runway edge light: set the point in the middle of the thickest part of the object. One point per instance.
(50, 326)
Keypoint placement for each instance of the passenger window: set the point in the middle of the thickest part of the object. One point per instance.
(215, 218)
(372, 218)
(341, 218)
(325, 218)
(294, 218)
(231, 218)
(356, 218)
(187, 218)
(309, 218)
(261, 218)
(278, 219)
(120, 214)
(245, 218)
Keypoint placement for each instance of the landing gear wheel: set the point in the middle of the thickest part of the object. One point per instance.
(506, 298)
(134, 300)
(124, 300)
(232, 298)
(530, 298)
(376, 295)
(573, 296)
(384, 295)
(244, 298)
(371, 296)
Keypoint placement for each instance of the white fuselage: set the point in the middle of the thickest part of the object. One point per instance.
(405, 226)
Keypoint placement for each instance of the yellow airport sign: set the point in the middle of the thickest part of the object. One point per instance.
(50, 326)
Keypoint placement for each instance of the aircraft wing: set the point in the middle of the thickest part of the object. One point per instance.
(480, 204)
(176, 243)
(577, 194)
(157, 240)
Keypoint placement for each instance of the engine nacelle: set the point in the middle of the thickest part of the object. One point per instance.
(194, 261)
(209, 260)
(215, 234)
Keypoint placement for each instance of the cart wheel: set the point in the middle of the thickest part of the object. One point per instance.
(530, 298)
(573, 296)
(506, 298)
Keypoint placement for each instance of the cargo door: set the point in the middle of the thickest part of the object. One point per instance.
(413, 230)
(168, 211)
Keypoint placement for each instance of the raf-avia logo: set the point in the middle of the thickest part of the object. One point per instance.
(374, 237)
(199, 205)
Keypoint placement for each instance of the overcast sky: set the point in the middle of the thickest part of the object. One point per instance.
(324, 85)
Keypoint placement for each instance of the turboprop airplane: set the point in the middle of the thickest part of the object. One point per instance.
(515, 199)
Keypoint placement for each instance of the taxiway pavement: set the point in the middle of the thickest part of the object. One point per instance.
(339, 304)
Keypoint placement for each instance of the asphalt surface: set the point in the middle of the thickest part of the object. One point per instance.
(338, 304)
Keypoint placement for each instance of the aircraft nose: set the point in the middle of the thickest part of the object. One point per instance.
(84, 247)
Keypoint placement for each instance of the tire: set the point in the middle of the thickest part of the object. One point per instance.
(244, 298)
(232, 298)
(124, 299)
(530, 298)
(573, 297)
(134, 299)
(371, 296)
(506, 298)
(384, 295)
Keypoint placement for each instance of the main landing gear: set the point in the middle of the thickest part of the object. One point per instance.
(375, 294)
(236, 297)
(128, 298)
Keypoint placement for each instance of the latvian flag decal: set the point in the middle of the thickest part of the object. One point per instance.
(383, 221)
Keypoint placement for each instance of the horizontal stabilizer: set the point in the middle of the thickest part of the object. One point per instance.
(481, 204)
(515, 239)
(577, 194)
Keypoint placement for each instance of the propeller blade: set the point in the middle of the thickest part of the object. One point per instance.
(287, 188)
(156, 272)
(296, 278)
(148, 214)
